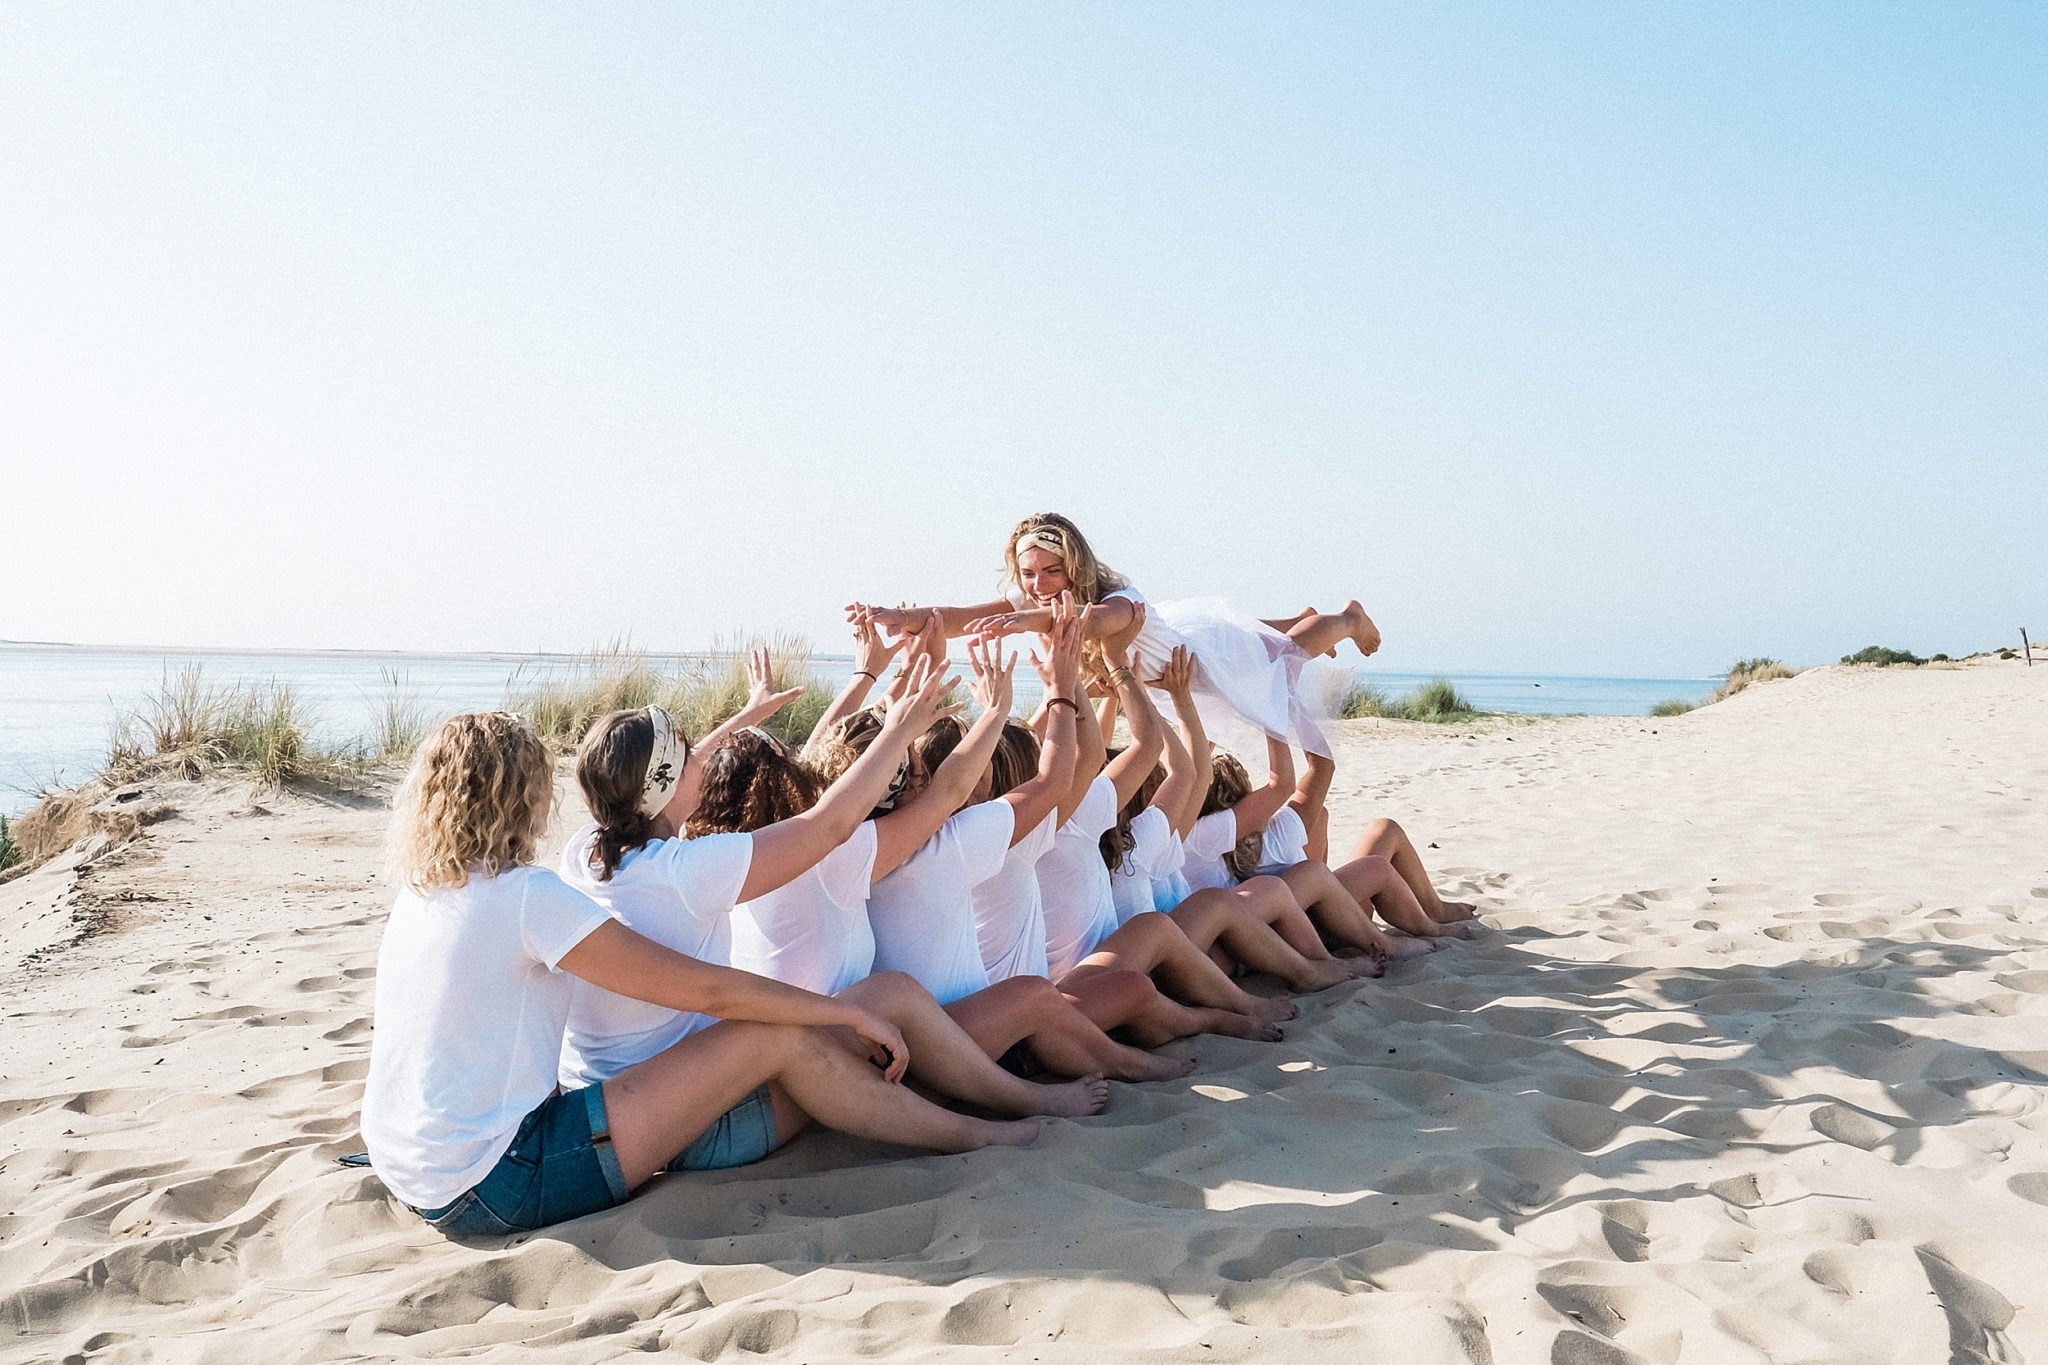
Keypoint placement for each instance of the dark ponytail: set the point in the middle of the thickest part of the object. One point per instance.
(611, 768)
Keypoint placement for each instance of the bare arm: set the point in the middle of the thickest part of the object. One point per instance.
(1261, 804)
(871, 657)
(1129, 769)
(789, 848)
(616, 959)
(1178, 681)
(1089, 752)
(1031, 801)
(1100, 621)
(1309, 800)
(906, 829)
(909, 620)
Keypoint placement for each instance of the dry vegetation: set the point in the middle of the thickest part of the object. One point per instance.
(699, 694)
(1748, 672)
(1435, 702)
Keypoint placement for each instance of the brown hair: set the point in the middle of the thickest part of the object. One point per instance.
(1117, 840)
(1016, 759)
(751, 782)
(611, 768)
(1229, 784)
(1090, 579)
(829, 753)
(474, 802)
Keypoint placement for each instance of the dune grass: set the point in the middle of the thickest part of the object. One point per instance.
(1749, 671)
(1673, 708)
(1882, 656)
(10, 852)
(562, 704)
(190, 727)
(401, 722)
(1436, 702)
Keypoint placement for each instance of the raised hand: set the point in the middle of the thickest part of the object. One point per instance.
(871, 653)
(1177, 679)
(1067, 638)
(994, 682)
(997, 626)
(763, 700)
(1116, 649)
(895, 620)
(924, 700)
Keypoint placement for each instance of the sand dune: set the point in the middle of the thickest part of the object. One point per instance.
(1749, 1067)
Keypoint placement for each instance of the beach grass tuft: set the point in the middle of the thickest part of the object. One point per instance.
(1436, 702)
(1882, 657)
(190, 727)
(10, 852)
(1748, 671)
(562, 705)
(1674, 707)
(400, 723)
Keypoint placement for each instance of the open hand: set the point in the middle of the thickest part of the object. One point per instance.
(995, 627)
(924, 700)
(994, 676)
(871, 653)
(1177, 679)
(763, 700)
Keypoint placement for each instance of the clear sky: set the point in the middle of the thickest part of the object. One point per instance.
(1620, 338)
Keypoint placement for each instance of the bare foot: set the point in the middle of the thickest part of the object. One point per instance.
(1455, 929)
(1021, 1133)
(1277, 1010)
(1164, 1068)
(1074, 1099)
(1404, 947)
(1323, 975)
(1453, 911)
(1364, 633)
(1228, 1024)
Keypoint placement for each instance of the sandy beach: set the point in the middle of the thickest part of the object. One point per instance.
(1746, 1067)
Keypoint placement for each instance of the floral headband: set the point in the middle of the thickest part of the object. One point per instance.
(664, 764)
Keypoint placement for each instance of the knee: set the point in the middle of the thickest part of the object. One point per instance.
(1268, 893)
(1121, 989)
(1376, 831)
(893, 988)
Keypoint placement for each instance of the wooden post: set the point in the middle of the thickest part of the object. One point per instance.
(2026, 650)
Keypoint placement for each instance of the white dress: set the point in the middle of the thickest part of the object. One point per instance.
(1243, 666)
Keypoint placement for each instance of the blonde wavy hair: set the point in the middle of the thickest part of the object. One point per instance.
(474, 803)
(1090, 578)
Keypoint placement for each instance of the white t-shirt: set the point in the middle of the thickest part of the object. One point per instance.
(813, 932)
(1146, 875)
(678, 892)
(468, 1024)
(923, 914)
(1009, 912)
(1286, 841)
(1209, 843)
(1073, 883)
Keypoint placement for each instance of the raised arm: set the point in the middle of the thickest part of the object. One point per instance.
(1261, 804)
(1098, 622)
(1309, 800)
(906, 829)
(1129, 769)
(1037, 797)
(616, 959)
(1090, 750)
(871, 655)
(789, 848)
(1178, 682)
(763, 701)
(903, 620)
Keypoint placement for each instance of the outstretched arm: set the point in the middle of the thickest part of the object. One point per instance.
(1129, 769)
(1178, 682)
(615, 958)
(1261, 804)
(871, 655)
(763, 701)
(1032, 800)
(905, 830)
(789, 848)
(1100, 621)
(900, 621)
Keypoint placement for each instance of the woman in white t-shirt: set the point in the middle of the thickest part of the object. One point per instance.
(682, 892)
(1226, 847)
(461, 1112)
(1251, 668)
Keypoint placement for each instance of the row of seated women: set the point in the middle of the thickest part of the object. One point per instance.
(749, 938)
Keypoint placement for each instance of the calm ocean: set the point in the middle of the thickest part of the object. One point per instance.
(57, 705)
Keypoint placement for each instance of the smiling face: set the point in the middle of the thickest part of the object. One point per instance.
(1042, 575)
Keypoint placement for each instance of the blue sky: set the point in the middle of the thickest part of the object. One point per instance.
(1591, 338)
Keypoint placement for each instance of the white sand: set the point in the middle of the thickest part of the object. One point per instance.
(1749, 1069)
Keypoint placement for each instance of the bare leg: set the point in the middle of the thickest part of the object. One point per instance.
(1222, 917)
(1338, 905)
(1161, 948)
(1129, 1001)
(1031, 1009)
(660, 1106)
(1385, 839)
(944, 1058)
(1274, 902)
(1322, 632)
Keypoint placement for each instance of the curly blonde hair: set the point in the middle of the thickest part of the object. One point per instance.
(1090, 579)
(474, 803)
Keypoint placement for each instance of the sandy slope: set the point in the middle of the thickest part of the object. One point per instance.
(1749, 1069)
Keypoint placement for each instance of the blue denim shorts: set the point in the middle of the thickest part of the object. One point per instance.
(560, 1166)
(742, 1135)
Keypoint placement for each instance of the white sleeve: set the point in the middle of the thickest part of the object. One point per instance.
(1034, 845)
(848, 870)
(1213, 836)
(554, 917)
(708, 873)
(1286, 839)
(1014, 595)
(1152, 843)
(978, 839)
(1097, 811)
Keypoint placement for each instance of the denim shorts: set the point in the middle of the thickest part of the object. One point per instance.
(560, 1166)
(742, 1135)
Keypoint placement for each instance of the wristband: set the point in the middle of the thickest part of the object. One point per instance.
(1063, 701)
(863, 673)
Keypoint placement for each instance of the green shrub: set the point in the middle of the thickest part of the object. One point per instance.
(1671, 708)
(1362, 701)
(1882, 657)
(10, 852)
(1436, 701)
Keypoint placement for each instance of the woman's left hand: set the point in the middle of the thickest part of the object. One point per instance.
(997, 626)
(763, 700)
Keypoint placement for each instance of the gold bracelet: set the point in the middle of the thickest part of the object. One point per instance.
(1120, 676)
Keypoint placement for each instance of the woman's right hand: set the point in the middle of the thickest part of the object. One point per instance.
(886, 1048)
(897, 621)
(924, 701)
(1116, 649)
(871, 653)
(1177, 679)
(994, 684)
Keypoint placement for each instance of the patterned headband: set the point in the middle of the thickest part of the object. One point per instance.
(1039, 540)
(664, 764)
